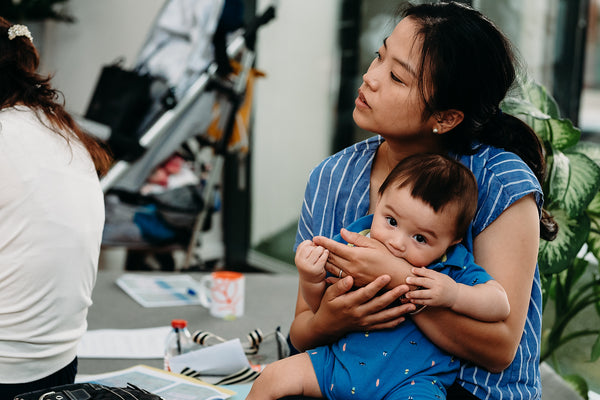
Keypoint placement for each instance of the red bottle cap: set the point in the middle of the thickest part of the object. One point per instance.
(179, 323)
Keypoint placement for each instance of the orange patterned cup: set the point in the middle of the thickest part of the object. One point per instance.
(222, 292)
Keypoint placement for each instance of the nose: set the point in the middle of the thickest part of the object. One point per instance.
(370, 78)
(399, 244)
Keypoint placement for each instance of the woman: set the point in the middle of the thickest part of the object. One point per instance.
(435, 86)
(51, 220)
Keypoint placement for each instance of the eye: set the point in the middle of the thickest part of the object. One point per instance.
(378, 55)
(395, 78)
(391, 221)
(420, 238)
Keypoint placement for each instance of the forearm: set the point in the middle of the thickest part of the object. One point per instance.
(486, 302)
(306, 331)
(312, 292)
(491, 345)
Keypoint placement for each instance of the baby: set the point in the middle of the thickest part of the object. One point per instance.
(423, 211)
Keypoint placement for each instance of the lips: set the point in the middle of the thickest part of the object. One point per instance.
(361, 100)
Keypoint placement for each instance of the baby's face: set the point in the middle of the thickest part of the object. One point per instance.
(411, 229)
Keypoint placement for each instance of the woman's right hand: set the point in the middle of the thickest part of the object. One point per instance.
(343, 310)
(365, 260)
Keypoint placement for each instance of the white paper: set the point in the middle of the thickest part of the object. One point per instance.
(220, 359)
(124, 343)
(165, 384)
(160, 290)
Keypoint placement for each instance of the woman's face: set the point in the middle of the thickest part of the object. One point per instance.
(389, 101)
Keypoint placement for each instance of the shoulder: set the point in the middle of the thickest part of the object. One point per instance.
(356, 156)
(502, 179)
(492, 163)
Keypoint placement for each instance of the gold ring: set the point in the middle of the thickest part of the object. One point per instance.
(340, 274)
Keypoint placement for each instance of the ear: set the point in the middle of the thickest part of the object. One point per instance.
(447, 120)
(457, 241)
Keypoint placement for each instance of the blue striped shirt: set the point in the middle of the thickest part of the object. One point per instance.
(337, 194)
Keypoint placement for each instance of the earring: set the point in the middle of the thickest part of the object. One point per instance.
(435, 130)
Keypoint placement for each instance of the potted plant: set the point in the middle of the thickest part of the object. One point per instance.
(568, 264)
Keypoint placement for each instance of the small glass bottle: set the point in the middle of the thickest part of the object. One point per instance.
(178, 341)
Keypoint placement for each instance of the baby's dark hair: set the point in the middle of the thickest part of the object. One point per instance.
(439, 181)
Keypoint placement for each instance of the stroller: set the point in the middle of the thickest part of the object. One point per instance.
(191, 94)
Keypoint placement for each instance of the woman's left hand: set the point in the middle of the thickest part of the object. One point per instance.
(365, 260)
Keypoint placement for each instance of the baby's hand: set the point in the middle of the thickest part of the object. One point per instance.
(310, 260)
(436, 289)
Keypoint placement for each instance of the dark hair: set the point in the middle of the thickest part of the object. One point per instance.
(438, 181)
(20, 84)
(467, 64)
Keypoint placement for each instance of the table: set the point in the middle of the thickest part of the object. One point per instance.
(269, 303)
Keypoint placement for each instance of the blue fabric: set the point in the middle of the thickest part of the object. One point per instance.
(337, 194)
(398, 363)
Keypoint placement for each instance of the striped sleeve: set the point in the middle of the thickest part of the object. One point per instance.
(502, 179)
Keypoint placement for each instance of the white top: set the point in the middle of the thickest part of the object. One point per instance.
(51, 220)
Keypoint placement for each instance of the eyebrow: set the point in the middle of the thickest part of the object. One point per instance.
(404, 64)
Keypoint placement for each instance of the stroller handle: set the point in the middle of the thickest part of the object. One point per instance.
(257, 22)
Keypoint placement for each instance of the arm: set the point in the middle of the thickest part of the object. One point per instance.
(485, 302)
(310, 261)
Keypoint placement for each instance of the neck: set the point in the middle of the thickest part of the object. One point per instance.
(398, 150)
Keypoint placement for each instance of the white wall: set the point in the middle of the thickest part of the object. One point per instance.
(104, 31)
(294, 104)
(294, 108)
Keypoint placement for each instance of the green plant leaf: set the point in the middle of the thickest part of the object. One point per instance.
(592, 150)
(558, 254)
(593, 240)
(519, 106)
(596, 350)
(573, 182)
(563, 134)
(537, 94)
(578, 384)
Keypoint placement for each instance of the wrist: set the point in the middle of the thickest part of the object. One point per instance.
(311, 277)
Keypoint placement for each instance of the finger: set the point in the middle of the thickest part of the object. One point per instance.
(335, 264)
(323, 257)
(418, 282)
(424, 272)
(316, 253)
(338, 288)
(387, 325)
(391, 317)
(332, 280)
(418, 295)
(368, 292)
(356, 239)
(339, 249)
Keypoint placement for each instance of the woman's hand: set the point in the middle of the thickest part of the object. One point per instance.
(365, 260)
(343, 310)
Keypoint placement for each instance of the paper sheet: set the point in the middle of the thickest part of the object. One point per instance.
(124, 343)
(160, 290)
(165, 384)
(220, 359)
